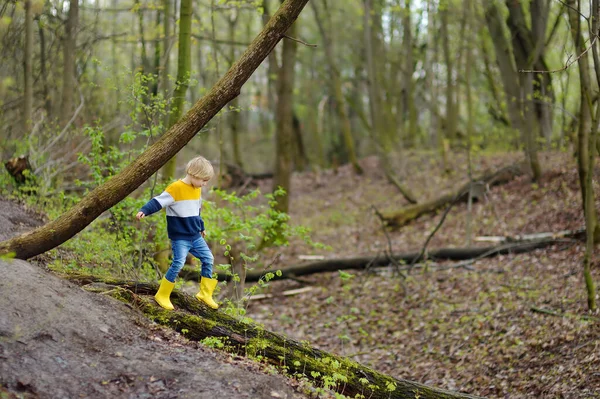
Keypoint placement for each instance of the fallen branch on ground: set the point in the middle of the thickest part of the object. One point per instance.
(196, 322)
(403, 216)
(566, 315)
(366, 262)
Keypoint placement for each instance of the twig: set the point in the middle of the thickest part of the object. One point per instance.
(421, 255)
(68, 123)
(300, 41)
(567, 315)
(567, 65)
(389, 252)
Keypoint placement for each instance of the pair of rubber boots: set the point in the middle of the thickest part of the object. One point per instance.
(207, 287)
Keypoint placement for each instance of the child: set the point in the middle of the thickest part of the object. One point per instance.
(185, 227)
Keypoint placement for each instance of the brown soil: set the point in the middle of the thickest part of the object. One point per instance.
(59, 341)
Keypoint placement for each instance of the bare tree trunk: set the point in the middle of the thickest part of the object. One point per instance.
(470, 22)
(143, 54)
(527, 50)
(28, 73)
(378, 125)
(69, 47)
(114, 190)
(234, 111)
(336, 86)
(284, 122)
(591, 221)
(451, 111)
(43, 70)
(586, 124)
(272, 72)
(163, 77)
(411, 132)
(434, 131)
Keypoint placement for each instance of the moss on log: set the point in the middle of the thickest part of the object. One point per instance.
(401, 217)
(196, 321)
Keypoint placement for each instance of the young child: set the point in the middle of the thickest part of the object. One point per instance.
(185, 228)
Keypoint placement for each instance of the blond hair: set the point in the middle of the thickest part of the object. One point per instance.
(200, 167)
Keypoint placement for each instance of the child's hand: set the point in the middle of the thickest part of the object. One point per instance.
(203, 233)
(140, 215)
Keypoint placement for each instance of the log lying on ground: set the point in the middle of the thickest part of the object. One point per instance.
(196, 321)
(364, 262)
(401, 217)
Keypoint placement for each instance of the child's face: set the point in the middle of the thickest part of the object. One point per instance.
(198, 182)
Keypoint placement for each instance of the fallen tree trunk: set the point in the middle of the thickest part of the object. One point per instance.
(131, 177)
(399, 218)
(364, 262)
(196, 321)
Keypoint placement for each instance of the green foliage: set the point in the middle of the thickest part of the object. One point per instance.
(213, 342)
(115, 243)
(240, 224)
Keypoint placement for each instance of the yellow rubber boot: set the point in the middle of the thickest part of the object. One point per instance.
(163, 295)
(207, 287)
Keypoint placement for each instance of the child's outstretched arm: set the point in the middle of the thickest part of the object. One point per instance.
(155, 205)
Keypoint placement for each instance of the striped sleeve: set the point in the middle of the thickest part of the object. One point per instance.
(157, 203)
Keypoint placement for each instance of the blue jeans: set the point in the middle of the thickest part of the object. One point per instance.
(198, 248)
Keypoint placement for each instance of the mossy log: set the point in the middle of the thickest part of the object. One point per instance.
(365, 262)
(196, 321)
(401, 217)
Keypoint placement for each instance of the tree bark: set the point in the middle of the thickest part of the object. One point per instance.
(430, 81)
(69, 47)
(184, 65)
(114, 190)
(234, 111)
(28, 73)
(336, 87)
(584, 168)
(399, 218)
(284, 134)
(451, 109)
(591, 222)
(378, 125)
(411, 133)
(196, 322)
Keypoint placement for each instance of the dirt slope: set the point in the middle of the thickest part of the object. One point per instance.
(59, 341)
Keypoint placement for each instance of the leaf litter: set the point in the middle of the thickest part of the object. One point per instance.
(478, 330)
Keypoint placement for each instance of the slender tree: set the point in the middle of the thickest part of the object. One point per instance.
(379, 126)
(587, 132)
(336, 88)
(184, 65)
(284, 121)
(69, 48)
(28, 72)
(234, 111)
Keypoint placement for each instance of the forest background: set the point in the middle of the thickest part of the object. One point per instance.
(449, 87)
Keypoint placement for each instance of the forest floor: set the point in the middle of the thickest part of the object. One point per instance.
(470, 329)
(467, 329)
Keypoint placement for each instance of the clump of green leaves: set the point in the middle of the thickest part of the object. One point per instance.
(242, 224)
